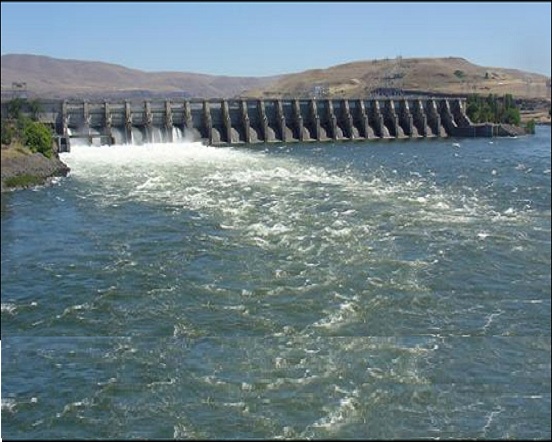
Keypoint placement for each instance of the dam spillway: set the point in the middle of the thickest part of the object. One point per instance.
(245, 121)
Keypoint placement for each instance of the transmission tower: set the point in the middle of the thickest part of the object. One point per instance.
(393, 78)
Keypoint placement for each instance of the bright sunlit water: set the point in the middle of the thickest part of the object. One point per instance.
(351, 290)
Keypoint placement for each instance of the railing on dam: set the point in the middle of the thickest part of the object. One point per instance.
(235, 121)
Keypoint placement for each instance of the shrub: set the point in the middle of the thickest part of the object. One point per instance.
(23, 181)
(8, 132)
(493, 109)
(22, 122)
(36, 108)
(38, 138)
(14, 108)
(459, 74)
(512, 116)
(530, 126)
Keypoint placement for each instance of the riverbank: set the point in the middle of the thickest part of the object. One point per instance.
(21, 168)
(539, 116)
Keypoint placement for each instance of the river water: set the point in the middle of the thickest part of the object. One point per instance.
(359, 290)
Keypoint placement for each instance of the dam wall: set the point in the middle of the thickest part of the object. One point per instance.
(247, 121)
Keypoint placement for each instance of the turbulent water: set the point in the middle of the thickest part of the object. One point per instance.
(369, 290)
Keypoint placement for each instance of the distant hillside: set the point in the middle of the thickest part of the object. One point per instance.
(432, 75)
(48, 77)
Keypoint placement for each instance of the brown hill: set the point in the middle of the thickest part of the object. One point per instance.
(47, 77)
(431, 75)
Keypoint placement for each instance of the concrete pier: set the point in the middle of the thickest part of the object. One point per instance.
(230, 122)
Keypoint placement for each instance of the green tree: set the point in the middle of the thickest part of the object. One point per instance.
(486, 113)
(14, 107)
(509, 101)
(35, 107)
(530, 126)
(472, 110)
(8, 132)
(459, 74)
(493, 109)
(512, 116)
(22, 122)
(38, 138)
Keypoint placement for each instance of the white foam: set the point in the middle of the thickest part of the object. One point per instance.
(73, 309)
(239, 182)
(8, 404)
(74, 406)
(490, 319)
(8, 308)
(345, 313)
(340, 415)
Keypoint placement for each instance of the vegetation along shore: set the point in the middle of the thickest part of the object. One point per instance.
(29, 154)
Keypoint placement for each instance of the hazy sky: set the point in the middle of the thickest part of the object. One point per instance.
(258, 39)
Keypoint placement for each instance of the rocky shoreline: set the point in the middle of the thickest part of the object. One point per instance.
(22, 169)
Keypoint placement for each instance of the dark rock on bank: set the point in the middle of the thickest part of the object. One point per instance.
(35, 167)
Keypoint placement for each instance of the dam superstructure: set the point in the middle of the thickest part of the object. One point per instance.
(248, 121)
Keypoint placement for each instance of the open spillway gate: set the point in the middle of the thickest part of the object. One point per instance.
(246, 121)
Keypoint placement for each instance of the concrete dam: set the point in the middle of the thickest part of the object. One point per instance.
(246, 121)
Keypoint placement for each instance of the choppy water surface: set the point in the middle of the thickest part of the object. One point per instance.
(372, 290)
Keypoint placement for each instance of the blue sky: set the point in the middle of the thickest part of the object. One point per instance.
(259, 39)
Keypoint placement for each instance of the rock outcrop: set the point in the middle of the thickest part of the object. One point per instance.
(35, 166)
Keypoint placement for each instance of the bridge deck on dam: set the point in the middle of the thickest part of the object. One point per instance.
(232, 122)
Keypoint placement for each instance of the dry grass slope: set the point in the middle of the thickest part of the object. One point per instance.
(438, 75)
(48, 77)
